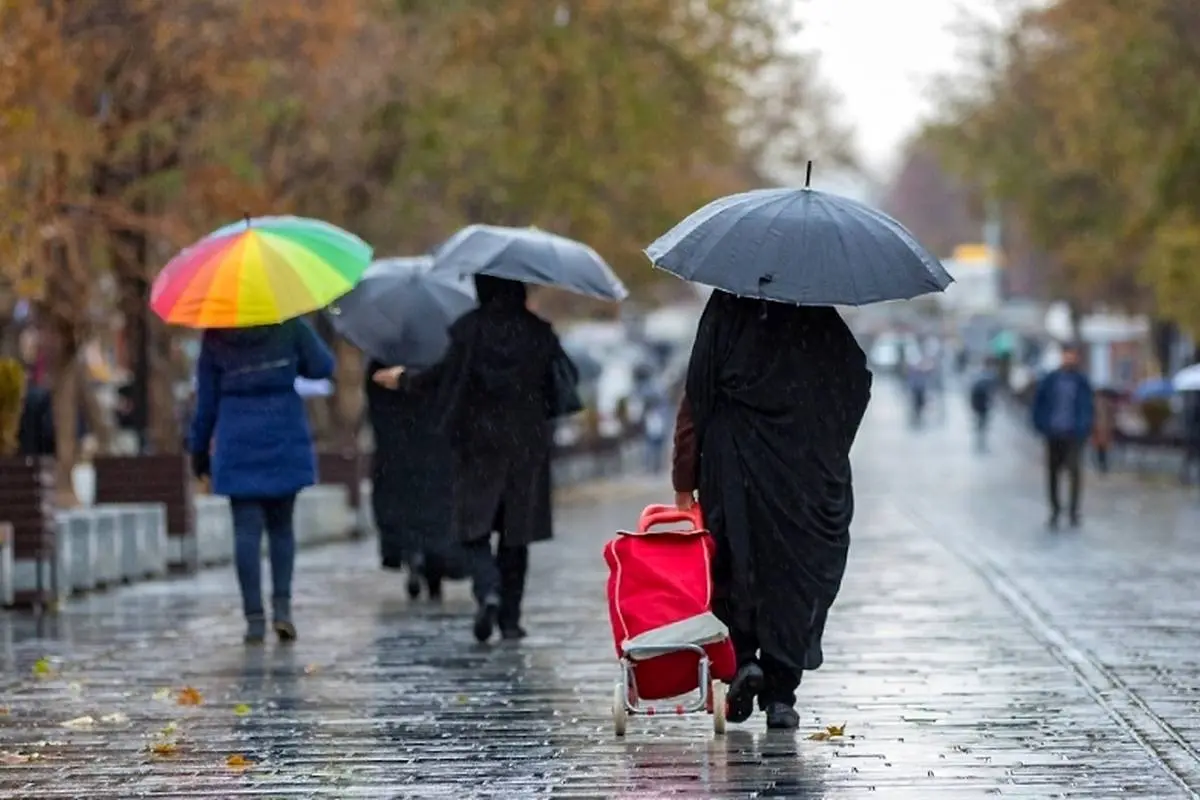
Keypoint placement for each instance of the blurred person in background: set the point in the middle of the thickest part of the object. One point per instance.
(1191, 434)
(919, 377)
(1063, 412)
(983, 390)
(1104, 427)
(250, 433)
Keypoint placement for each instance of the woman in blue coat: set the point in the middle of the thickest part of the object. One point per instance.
(250, 418)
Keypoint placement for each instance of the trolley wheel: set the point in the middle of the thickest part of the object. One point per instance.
(620, 713)
(717, 695)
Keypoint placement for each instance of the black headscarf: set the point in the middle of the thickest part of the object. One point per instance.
(497, 357)
(777, 393)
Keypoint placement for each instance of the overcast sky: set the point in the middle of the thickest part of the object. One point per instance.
(880, 55)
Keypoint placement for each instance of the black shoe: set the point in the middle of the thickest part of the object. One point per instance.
(512, 633)
(434, 587)
(782, 717)
(743, 691)
(414, 586)
(485, 620)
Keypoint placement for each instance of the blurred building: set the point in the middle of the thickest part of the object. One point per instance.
(977, 287)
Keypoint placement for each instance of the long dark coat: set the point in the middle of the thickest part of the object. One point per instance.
(493, 389)
(775, 395)
(411, 474)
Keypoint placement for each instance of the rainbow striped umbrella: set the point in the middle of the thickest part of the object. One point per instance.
(259, 272)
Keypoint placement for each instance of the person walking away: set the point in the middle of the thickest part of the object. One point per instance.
(1063, 414)
(918, 387)
(982, 392)
(654, 431)
(262, 453)
(412, 480)
(1191, 428)
(774, 399)
(492, 387)
(1104, 426)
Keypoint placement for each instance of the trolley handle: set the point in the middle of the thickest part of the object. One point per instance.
(656, 515)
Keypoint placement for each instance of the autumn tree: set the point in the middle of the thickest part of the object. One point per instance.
(1084, 120)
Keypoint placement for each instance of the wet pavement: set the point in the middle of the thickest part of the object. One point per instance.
(973, 653)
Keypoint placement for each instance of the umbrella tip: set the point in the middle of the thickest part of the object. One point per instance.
(808, 176)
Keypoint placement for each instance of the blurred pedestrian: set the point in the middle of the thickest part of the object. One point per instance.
(1063, 413)
(1191, 435)
(1104, 427)
(919, 378)
(492, 389)
(775, 395)
(412, 481)
(654, 431)
(262, 453)
(983, 390)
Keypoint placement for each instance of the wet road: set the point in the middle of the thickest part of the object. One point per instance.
(971, 654)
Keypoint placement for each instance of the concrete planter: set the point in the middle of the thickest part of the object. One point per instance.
(78, 527)
(108, 546)
(214, 530)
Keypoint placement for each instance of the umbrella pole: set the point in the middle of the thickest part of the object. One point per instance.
(808, 176)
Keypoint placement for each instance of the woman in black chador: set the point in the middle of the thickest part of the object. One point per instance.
(412, 480)
(775, 394)
(492, 390)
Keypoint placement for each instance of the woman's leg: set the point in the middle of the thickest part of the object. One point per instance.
(512, 564)
(248, 523)
(778, 695)
(281, 543)
(485, 585)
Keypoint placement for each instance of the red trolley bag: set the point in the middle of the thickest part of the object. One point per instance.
(660, 593)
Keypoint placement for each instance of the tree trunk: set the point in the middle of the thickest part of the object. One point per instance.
(349, 399)
(64, 395)
(99, 420)
(164, 434)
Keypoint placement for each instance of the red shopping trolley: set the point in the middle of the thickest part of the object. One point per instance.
(669, 643)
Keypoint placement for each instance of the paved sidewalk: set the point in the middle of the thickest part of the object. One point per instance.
(972, 654)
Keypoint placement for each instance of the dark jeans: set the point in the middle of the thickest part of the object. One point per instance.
(499, 576)
(1063, 454)
(251, 516)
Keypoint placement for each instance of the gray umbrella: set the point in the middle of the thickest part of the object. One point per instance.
(799, 246)
(529, 255)
(400, 312)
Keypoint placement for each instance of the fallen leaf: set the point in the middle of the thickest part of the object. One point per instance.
(115, 718)
(162, 695)
(462, 699)
(75, 687)
(79, 723)
(238, 761)
(170, 729)
(42, 667)
(189, 697)
(241, 709)
(312, 669)
(830, 732)
(164, 748)
(4, 711)
(18, 758)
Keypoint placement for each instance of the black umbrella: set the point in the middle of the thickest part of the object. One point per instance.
(400, 312)
(529, 255)
(799, 246)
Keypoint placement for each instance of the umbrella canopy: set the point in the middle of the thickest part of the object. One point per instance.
(799, 246)
(1187, 379)
(400, 313)
(259, 272)
(529, 255)
(1153, 389)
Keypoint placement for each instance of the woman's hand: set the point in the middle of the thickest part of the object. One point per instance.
(388, 378)
(685, 501)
